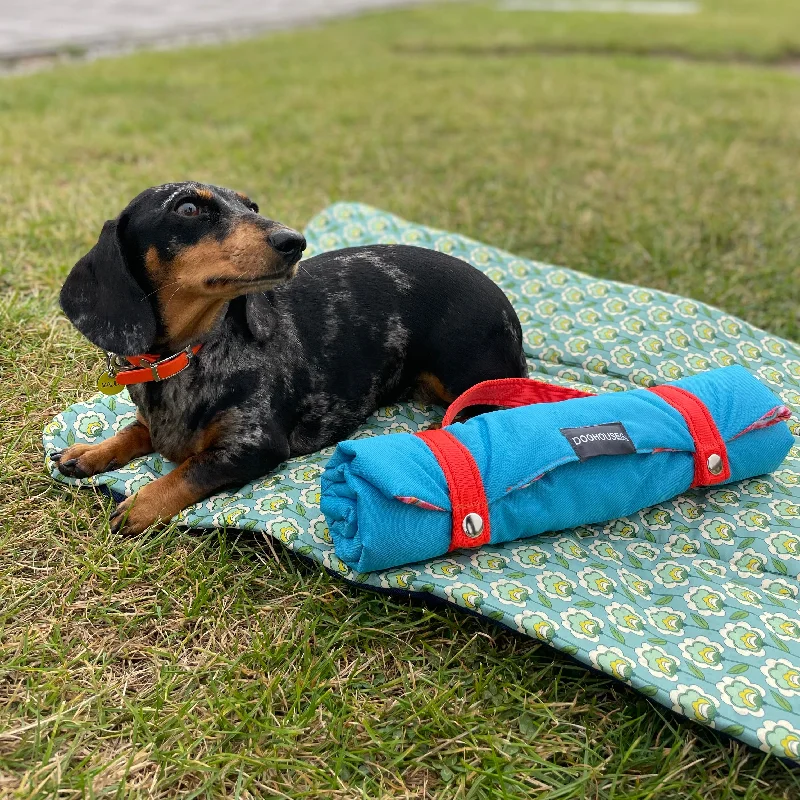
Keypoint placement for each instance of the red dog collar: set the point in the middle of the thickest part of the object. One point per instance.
(150, 368)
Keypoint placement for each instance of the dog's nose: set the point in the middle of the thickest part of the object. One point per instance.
(287, 241)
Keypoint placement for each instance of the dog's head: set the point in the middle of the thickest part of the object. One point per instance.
(165, 267)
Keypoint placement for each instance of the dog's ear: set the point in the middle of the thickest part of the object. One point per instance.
(105, 303)
(261, 316)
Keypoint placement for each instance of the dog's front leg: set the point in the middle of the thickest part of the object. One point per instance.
(83, 460)
(195, 479)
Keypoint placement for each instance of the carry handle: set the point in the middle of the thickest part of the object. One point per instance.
(510, 393)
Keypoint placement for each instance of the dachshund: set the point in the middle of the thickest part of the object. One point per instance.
(277, 358)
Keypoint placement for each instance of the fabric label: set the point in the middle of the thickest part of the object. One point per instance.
(609, 439)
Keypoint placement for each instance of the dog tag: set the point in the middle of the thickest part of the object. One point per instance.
(107, 384)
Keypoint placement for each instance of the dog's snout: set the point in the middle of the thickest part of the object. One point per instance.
(287, 241)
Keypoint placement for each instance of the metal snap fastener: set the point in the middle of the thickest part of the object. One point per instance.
(472, 525)
(714, 464)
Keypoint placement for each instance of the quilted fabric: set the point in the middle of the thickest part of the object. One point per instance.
(693, 602)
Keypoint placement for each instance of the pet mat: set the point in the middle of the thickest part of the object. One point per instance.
(693, 602)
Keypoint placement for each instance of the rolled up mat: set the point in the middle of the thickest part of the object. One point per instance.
(510, 474)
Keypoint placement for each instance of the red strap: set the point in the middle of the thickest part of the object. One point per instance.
(467, 495)
(151, 369)
(464, 482)
(708, 442)
(510, 393)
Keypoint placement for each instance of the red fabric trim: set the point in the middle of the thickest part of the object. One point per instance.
(166, 369)
(772, 417)
(467, 495)
(510, 393)
(707, 438)
(415, 501)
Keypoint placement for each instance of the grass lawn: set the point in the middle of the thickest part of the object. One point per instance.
(657, 151)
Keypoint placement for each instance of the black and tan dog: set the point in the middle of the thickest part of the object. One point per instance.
(290, 362)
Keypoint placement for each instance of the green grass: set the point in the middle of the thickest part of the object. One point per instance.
(181, 665)
(765, 30)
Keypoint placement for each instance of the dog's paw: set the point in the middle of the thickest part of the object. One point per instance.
(83, 460)
(132, 516)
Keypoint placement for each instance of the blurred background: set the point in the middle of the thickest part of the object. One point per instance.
(43, 29)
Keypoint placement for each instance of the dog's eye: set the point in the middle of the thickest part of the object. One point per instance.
(188, 209)
(254, 207)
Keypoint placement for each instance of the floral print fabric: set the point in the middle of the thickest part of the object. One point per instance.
(693, 603)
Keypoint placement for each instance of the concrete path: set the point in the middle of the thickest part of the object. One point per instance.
(31, 28)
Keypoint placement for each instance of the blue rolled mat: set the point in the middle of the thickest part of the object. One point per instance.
(387, 502)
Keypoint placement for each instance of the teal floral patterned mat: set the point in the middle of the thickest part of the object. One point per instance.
(694, 603)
